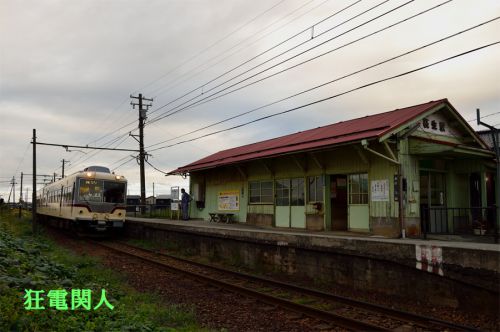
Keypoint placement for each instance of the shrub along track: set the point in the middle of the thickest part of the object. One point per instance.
(319, 306)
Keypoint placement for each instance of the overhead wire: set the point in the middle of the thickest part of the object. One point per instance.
(172, 110)
(335, 95)
(216, 96)
(155, 168)
(213, 44)
(194, 56)
(263, 52)
(171, 85)
(334, 80)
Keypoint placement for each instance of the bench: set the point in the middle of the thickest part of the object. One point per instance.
(221, 217)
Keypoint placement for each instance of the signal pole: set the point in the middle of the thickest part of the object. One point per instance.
(143, 108)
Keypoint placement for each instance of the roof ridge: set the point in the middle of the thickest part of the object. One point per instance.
(331, 124)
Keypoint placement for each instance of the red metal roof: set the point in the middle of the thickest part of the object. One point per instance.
(372, 126)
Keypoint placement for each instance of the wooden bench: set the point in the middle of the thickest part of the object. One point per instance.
(221, 217)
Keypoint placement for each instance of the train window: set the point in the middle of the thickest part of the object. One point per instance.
(114, 192)
(90, 190)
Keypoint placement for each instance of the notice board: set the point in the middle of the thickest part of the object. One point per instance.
(228, 200)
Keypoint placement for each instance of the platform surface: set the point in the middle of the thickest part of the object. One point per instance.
(445, 241)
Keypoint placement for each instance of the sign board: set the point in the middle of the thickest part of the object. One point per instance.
(174, 192)
(228, 200)
(380, 190)
(174, 206)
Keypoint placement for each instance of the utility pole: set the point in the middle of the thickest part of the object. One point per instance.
(63, 162)
(33, 197)
(143, 108)
(496, 145)
(21, 196)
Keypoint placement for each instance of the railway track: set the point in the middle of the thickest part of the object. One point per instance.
(332, 309)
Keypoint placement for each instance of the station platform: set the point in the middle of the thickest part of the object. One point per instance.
(431, 254)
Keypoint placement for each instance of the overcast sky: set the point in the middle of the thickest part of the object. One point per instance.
(67, 69)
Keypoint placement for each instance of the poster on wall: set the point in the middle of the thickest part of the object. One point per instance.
(380, 190)
(228, 200)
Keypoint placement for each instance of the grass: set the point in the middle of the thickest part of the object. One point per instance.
(37, 263)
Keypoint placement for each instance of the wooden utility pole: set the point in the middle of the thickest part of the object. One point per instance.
(33, 197)
(21, 196)
(63, 163)
(143, 108)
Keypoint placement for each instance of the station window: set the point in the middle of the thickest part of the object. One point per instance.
(315, 188)
(283, 192)
(261, 192)
(358, 188)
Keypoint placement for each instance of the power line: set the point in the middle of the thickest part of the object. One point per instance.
(126, 162)
(262, 53)
(166, 113)
(335, 96)
(212, 45)
(133, 122)
(475, 119)
(155, 168)
(171, 85)
(336, 80)
(172, 70)
(85, 147)
(208, 98)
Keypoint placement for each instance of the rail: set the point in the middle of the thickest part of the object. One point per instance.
(251, 285)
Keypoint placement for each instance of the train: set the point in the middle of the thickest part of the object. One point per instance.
(92, 200)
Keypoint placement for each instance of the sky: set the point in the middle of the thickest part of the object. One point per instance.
(68, 69)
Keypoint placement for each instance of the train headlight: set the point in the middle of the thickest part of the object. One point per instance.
(89, 174)
(118, 177)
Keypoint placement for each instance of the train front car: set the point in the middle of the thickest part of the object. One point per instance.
(99, 200)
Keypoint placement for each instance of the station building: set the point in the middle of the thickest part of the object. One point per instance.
(419, 168)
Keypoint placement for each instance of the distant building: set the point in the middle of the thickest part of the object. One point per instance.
(163, 200)
(132, 202)
(151, 200)
(416, 168)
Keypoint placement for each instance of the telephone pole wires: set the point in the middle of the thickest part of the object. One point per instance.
(143, 108)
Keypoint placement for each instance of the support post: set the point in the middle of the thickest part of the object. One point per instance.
(496, 146)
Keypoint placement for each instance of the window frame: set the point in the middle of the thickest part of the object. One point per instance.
(362, 192)
(260, 192)
(319, 185)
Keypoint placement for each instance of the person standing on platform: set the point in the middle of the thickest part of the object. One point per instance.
(185, 199)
